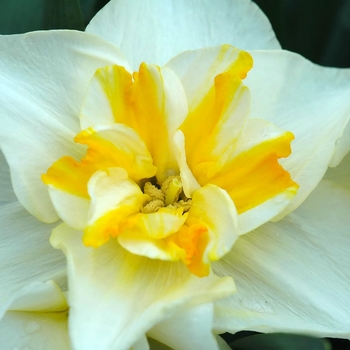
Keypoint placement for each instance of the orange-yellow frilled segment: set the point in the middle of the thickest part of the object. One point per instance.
(254, 175)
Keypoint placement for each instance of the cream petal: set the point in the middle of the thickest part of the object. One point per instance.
(122, 296)
(293, 276)
(25, 251)
(44, 76)
(6, 191)
(32, 330)
(191, 329)
(310, 101)
(165, 29)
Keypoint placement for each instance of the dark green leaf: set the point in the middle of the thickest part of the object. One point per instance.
(90, 8)
(65, 14)
(280, 341)
(20, 16)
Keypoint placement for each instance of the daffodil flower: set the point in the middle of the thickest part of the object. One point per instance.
(165, 149)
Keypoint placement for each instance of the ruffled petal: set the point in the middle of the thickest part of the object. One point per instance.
(310, 101)
(293, 276)
(122, 296)
(109, 146)
(44, 76)
(168, 28)
(25, 251)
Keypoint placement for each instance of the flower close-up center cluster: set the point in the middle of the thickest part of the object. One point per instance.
(142, 127)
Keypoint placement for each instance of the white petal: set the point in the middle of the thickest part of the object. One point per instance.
(6, 191)
(43, 79)
(310, 101)
(26, 254)
(32, 330)
(72, 209)
(165, 29)
(188, 330)
(293, 276)
(122, 296)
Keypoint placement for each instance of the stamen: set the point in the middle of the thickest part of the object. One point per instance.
(153, 191)
(166, 196)
(153, 206)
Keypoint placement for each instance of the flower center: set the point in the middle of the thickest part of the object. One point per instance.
(169, 195)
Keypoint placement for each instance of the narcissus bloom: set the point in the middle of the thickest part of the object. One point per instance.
(165, 152)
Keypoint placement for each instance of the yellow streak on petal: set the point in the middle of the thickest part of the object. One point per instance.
(72, 176)
(150, 111)
(255, 176)
(199, 127)
(117, 84)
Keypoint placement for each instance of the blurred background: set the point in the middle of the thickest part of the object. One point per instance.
(317, 29)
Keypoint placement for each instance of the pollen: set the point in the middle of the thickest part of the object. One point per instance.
(169, 195)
